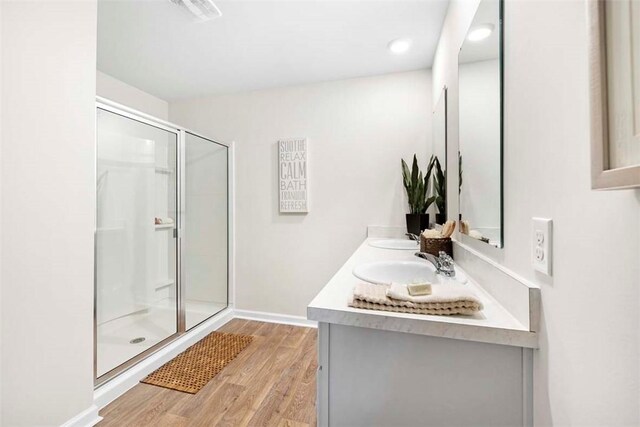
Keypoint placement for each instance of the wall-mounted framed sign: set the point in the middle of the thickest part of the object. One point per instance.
(293, 182)
(614, 28)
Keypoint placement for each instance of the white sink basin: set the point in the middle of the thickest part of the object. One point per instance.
(385, 272)
(399, 244)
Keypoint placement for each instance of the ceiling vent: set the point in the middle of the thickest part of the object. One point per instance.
(202, 10)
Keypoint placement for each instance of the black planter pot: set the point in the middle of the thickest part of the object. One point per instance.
(417, 222)
(441, 218)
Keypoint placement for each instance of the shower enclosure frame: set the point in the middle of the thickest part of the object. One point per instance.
(181, 133)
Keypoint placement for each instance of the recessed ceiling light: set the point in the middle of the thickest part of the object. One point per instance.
(399, 46)
(480, 32)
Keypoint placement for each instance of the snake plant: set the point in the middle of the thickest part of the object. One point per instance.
(417, 186)
(440, 186)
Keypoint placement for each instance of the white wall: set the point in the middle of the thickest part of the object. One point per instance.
(47, 176)
(586, 371)
(116, 90)
(358, 130)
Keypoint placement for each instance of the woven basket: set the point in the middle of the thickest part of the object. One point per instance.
(434, 246)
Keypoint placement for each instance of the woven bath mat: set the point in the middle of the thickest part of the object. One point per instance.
(196, 366)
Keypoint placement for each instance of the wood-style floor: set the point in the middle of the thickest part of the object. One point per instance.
(271, 383)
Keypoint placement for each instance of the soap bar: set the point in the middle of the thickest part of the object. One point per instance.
(416, 290)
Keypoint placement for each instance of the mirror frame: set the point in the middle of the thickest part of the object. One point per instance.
(602, 176)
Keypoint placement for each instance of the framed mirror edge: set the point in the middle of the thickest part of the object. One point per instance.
(602, 177)
(501, 4)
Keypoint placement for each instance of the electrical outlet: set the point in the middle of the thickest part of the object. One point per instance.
(541, 245)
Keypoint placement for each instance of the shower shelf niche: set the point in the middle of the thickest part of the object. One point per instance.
(164, 226)
(160, 169)
(164, 283)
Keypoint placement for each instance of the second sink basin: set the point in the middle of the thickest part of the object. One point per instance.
(397, 244)
(385, 272)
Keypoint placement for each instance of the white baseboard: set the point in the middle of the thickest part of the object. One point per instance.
(87, 418)
(114, 388)
(286, 319)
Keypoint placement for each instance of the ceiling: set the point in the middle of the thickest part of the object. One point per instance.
(155, 46)
(472, 51)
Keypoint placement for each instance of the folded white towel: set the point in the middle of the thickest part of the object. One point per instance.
(399, 291)
(446, 299)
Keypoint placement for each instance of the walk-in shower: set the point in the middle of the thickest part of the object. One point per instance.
(162, 235)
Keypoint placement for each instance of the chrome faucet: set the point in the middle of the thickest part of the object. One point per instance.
(443, 263)
(413, 236)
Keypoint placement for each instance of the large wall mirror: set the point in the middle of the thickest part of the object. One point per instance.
(480, 74)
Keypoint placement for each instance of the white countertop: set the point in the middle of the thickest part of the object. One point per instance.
(494, 324)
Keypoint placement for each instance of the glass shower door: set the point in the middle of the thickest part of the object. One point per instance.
(205, 227)
(136, 247)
